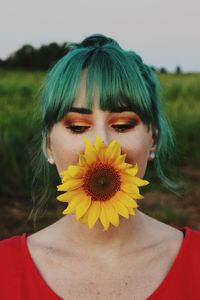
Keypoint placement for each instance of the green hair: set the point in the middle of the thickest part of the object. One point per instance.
(121, 78)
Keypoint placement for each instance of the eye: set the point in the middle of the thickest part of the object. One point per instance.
(124, 127)
(77, 129)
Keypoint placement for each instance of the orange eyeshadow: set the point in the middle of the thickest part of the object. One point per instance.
(78, 122)
(123, 120)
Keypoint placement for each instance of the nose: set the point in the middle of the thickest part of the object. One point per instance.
(100, 126)
(103, 132)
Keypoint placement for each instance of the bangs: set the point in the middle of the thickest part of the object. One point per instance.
(111, 72)
(118, 81)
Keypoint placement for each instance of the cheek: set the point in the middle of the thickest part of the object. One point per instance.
(65, 150)
(138, 152)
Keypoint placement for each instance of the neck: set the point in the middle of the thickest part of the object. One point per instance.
(79, 237)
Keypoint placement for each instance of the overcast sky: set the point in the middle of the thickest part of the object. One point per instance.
(165, 33)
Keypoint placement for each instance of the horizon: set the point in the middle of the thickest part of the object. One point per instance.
(158, 69)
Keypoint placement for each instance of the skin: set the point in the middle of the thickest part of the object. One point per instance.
(141, 240)
(137, 142)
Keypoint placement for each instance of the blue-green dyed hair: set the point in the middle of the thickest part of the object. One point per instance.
(121, 78)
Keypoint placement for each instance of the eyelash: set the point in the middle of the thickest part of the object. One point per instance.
(78, 129)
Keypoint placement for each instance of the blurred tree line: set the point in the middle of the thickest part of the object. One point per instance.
(29, 58)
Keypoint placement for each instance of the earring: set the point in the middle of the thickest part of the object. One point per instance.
(152, 155)
(51, 160)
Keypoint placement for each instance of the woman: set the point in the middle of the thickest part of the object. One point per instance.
(101, 95)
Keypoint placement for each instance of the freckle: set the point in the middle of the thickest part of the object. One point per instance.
(91, 282)
(98, 293)
(126, 283)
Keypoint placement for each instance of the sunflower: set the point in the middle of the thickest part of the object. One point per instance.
(101, 185)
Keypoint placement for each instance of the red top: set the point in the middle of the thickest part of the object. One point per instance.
(20, 278)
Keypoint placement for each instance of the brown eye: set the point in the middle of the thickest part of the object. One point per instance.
(123, 127)
(77, 129)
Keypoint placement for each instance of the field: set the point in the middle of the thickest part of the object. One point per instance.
(19, 93)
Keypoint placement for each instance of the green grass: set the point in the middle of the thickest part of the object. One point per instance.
(182, 102)
(19, 93)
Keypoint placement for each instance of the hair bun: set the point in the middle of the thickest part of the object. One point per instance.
(95, 40)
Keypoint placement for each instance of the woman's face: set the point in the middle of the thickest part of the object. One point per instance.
(125, 126)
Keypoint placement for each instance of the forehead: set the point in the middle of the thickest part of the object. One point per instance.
(81, 95)
(81, 100)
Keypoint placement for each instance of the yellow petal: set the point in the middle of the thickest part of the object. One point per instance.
(63, 197)
(84, 218)
(93, 213)
(139, 182)
(113, 151)
(131, 211)
(90, 153)
(62, 172)
(135, 196)
(131, 171)
(126, 200)
(120, 208)
(75, 171)
(83, 207)
(129, 188)
(124, 166)
(72, 204)
(101, 155)
(120, 160)
(70, 185)
(103, 217)
(69, 195)
(99, 144)
(111, 213)
(82, 161)
(127, 178)
(65, 176)
(61, 188)
(133, 180)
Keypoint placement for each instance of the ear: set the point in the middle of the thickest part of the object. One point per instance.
(46, 148)
(152, 151)
(155, 138)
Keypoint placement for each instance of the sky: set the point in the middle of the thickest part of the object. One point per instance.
(165, 33)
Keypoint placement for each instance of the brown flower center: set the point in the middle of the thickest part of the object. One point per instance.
(101, 182)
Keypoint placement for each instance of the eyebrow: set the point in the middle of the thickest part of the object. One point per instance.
(122, 109)
(81, 110)
(86, 111)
